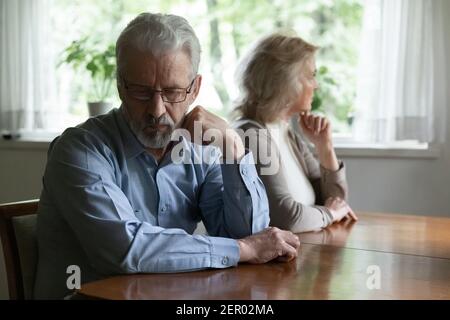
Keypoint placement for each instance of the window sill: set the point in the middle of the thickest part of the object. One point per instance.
(342, 150)
(371, 151)
(30, 140)
(25, 144)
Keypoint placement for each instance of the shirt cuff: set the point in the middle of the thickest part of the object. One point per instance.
(224, 252)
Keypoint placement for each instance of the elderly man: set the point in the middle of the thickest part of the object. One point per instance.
(114, 200)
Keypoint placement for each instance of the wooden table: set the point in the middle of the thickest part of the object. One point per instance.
(410, 254)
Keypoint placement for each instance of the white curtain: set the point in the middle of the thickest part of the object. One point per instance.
(401, 78)
(26, 69)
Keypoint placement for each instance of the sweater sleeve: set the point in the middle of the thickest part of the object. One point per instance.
(285, 212)
(326, 183)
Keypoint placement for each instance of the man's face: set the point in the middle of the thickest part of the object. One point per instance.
(151, 119)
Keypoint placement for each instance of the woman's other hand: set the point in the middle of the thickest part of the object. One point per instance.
(339, 209)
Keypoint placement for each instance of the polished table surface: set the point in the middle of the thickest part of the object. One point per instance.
(394, 233)
(411, 255)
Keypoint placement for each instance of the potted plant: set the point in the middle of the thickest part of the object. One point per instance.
(100, 64)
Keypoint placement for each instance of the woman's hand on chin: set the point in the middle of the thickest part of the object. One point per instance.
(316, 128)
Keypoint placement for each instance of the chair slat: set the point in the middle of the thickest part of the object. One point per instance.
(9, 242)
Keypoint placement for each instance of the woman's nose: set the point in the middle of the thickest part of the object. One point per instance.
(316, 84)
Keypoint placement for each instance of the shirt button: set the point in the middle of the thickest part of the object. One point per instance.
(244, 171)
(225, 260)
(163, 208)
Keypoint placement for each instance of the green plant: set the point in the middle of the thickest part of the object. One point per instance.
(326, 82)
(98, 62)
(330, 100)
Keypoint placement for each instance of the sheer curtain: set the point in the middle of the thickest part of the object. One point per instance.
(27, 69)
(401, 80)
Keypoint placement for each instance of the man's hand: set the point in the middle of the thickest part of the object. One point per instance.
(267, 245)
(205, 127)
(340, 209)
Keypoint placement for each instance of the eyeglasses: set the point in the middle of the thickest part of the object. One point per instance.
(144, 93)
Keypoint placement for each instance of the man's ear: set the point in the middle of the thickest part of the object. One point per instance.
(197, 85)
(121, 93)
(120, 88)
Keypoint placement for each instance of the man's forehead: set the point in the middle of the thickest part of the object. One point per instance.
(172, 67)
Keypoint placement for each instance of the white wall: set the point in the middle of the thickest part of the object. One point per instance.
(401, 185)
(21, 173)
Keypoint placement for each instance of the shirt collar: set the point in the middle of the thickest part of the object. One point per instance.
(131, 144)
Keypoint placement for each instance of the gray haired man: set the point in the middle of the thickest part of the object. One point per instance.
(115, 202)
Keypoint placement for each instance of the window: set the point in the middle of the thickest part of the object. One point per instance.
(379, 64)
(225, 29)
(401, 75)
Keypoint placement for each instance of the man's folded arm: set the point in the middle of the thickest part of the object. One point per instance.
(233, 200)
(81, 183)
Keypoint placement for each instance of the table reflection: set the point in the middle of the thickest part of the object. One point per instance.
(268, 281)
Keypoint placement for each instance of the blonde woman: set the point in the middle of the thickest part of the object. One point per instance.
(277, 82)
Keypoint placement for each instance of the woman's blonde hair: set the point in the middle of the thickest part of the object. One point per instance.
(268, 76)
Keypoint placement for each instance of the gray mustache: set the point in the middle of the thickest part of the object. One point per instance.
(163, 120)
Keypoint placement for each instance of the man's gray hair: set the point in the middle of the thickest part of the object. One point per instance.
(158, 34)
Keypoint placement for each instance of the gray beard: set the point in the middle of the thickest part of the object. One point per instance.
(157, 140)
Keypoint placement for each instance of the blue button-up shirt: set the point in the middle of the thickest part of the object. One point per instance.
(108, 207)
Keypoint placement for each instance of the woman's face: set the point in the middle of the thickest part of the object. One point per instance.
(307, 78)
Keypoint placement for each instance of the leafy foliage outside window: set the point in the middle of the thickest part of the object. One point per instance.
(323, 92)
(226, 28)
(327, 95)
